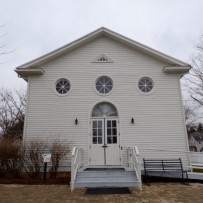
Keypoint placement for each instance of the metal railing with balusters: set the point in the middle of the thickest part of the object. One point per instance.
(76, 163)
(133, 162)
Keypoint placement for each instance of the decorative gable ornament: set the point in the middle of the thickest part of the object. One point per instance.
(102, 59)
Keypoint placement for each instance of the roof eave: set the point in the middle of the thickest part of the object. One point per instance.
(24, 73)
(177, 69)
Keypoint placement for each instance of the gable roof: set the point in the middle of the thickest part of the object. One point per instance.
(93, 35)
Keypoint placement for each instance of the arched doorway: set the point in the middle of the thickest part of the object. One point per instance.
(105, 140)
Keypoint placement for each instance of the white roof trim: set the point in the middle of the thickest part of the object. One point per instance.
(106, 32)
(176, 69)
(24, 73)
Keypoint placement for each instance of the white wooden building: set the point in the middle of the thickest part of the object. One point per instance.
(104, 94)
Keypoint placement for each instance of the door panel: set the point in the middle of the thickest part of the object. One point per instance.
(97, 141)
(112, 142)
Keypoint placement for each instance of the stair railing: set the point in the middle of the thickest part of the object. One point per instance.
(133, 161)
(76, 163)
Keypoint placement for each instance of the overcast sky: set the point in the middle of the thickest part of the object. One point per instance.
(35, 27)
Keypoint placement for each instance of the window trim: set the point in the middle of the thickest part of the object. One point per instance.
(95, 88)
(102, 116)
(145, 93)
(57, 93)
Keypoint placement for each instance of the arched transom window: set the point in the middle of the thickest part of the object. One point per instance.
(104, 109)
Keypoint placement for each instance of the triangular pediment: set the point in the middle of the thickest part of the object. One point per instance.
(107, 33)
(102, 59)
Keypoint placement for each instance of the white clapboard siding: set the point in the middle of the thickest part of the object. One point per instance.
(158, 116)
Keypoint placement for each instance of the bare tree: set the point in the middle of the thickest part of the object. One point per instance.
(58, 150)
(10, 157)
(3, 47)
(195, 77)
(33, 157)
(12, 112)
(189, 114)
(190, 118)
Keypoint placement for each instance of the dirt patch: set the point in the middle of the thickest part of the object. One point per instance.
(155, 193)
(62, 179)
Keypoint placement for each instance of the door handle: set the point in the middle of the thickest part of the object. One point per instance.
(104, 146)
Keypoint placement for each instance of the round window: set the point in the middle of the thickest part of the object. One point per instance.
(104, 85)
(62, 86)
(145, 84)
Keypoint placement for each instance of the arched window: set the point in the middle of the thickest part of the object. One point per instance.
(104, 109)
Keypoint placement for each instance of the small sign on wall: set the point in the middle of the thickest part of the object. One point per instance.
(46, 158)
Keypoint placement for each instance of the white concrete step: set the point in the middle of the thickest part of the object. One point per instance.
(105, 174)
(103, 179)
(106, 184)
(106, 178)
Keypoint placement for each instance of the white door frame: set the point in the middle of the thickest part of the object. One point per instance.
(116, 150)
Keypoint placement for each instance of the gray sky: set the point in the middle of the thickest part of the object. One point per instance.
(36, 27)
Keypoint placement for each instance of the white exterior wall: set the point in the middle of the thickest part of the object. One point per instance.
(158, 116)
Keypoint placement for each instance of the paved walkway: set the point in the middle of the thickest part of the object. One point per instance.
(157, 192)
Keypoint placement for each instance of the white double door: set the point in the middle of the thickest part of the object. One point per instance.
(104, 147)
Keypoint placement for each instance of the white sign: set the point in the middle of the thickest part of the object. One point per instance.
(46, 158)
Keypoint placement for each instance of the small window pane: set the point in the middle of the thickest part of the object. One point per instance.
(94, 124)
(64, 91)
(108, 131)
(99, 140)
(101, 90)
(149, 83)
(113, 123)
(109, 83)
(114, 140)
(107, 90)
(99, 124)
(94, 140)
(99, 132)
(58, 86)
(94, 132)
(109, 140)
(114, 131)
(108, 124)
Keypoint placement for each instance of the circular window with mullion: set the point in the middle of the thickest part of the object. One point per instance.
(104, 85)
(62, 86)
(145, 84)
